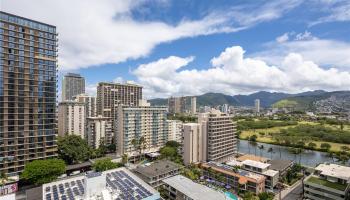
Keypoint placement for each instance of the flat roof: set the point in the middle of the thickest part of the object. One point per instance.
(257, 164)
(252, 157)
(270, 172)
(334, 170)
(280, 165)
(193, 190)
(241, 174)
(157, 168)
(120, 183)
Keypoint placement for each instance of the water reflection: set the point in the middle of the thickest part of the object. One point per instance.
(307, 158)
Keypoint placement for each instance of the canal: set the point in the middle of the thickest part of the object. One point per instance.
(308, 157)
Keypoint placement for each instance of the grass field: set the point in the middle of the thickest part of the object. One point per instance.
(267, 137)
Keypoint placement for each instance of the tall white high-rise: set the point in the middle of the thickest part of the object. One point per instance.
(90, 104)
(257, 105)
(71, 118)
(193, 105)
(99, 130)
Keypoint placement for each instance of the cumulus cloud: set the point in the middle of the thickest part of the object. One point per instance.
(232, 73)
(95, 32)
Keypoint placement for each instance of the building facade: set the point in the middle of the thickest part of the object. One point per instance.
(177, 105)
(175, 130)
(99, 131)
(194, 144)
(28, 64)
(149, 122)
(71, 118)
(72, 85)
(257, 105)
(193, 105)
(220, 133)
(90, 104)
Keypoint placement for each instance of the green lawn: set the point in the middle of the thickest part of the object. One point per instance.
(267, 137)
(326, 183)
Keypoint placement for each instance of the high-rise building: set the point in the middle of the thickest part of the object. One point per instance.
(90, 104)
(99, 131)
(28, 56)
(257, 105)
(213, 138)
(111, 95)
(72, 85)
(149, 122)
(175, 130)
(71, 118)
(194, 144)
(193, 105)
(177, 105)
(220, 133)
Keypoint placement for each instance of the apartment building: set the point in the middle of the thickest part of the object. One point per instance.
(329, 181)
(149, 122)
(194, 144)
(261, 168)
(154, 173)
(28, 56)
(111, 95)
(182, 188)
(193, 105)
(177, 105)
(237, 179)
(220, 133)
(99, 131)
(175, 130)
(257, 105)
(72, 85)
(90, 104)
(71, 118)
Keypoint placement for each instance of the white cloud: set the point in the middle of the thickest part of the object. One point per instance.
(283, 38)
(336, 11)
(324, 52)
(232, 73)
(95, 32)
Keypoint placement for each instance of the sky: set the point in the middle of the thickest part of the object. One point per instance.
(190, 47)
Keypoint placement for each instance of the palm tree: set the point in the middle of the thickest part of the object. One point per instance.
(270, 150)
(261, 147)
(139, 144)
(254, 144)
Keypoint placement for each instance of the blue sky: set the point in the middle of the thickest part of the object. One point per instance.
(189, 47)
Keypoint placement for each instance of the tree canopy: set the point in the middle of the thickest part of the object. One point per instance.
(105, 164)
(43, 171)
(73, 149)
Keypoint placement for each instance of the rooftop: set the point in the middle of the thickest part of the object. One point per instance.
(326, 183)
(252, 157)
(242, 174)
(193, 190)
(257, 164)
(334, 170)
(157, 168)
(280, 165)
(270, 172)
(117, 184)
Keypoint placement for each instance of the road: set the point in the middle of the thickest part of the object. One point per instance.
(295, 193)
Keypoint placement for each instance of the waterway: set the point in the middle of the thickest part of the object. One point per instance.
(307, 158)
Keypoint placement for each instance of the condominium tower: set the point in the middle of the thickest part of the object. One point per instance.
(257, 105)
(71, 119)
(99, 131)
(90, 104)
(72, 84)
(177, 105)
(149, 122)
(220, 133)
(28, 56)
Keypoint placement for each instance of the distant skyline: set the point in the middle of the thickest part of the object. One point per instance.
(190, 47)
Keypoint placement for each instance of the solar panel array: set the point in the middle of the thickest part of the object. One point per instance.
(126, 186)
(65, 191)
